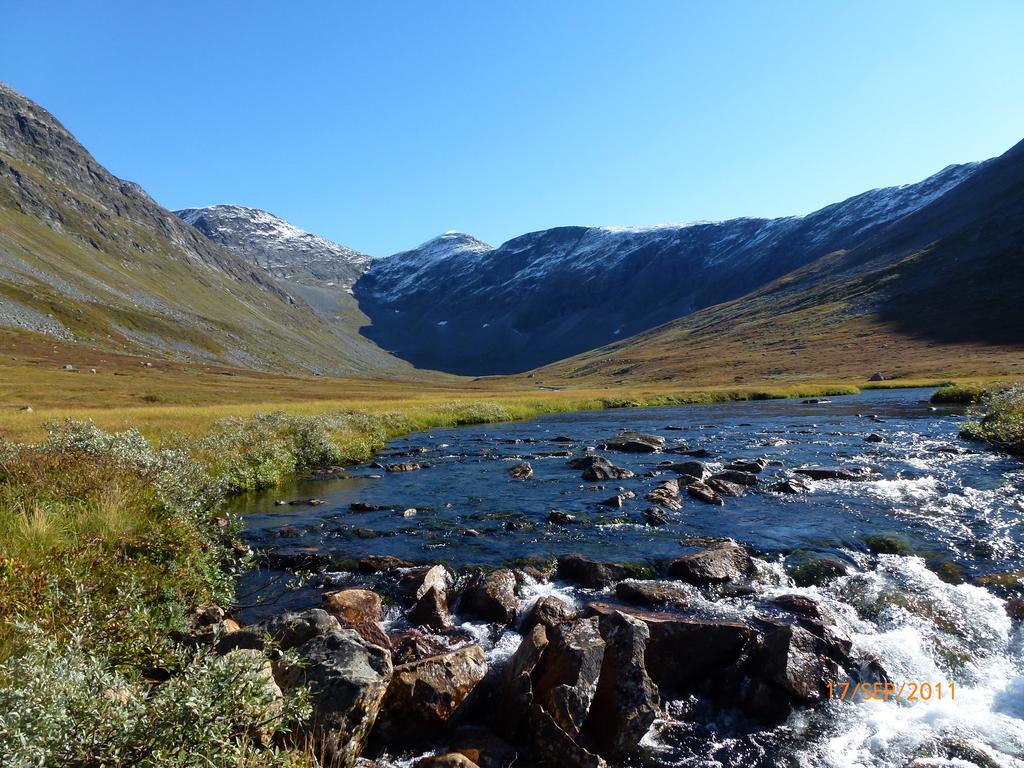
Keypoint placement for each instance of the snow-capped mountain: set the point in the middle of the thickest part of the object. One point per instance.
(280, 248)
(457, 305)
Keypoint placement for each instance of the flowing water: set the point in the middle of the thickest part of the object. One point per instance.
(936, 504)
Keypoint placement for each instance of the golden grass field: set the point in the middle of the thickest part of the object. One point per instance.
(178, 397)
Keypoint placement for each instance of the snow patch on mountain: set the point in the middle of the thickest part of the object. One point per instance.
(281, 248)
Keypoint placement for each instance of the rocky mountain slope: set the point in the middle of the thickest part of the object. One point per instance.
(86, 257)
(457, 305)
(934, 292)
(280, 248)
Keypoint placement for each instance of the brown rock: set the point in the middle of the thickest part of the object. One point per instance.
(589, 573)
(703, 492)
(431, 608)
(566, 676)
(516, 696)
(726, 488)
(548, 611)
(410, 466)
(626, 701)
(424, 696)
(554, 747)
(358, 609)
(450, 760)
(720, 563)
(413, 645)
(652, 593)
(492, 597)
(521, 471)
(667, 494)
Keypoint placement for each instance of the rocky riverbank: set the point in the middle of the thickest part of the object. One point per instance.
(542, 678)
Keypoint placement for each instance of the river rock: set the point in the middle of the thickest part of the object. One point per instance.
(285, 630)
(411, 644)
(794, 660)
(558, 517)
(697, 453)
(634, 442)
(347, 678)
(483, 747)
(448, 760)
(735, 476)
(516, 698)
(653, 593)
(626, 701)
(362, 506)
(874, 437)
(492, 597)
(424, 697)
(589, 573)
(654, 516)
(521, 471)
(566, 676)
(834, 473)
(617, 501)
(598, 468)
(726, 561)
(358, 609)
(687, 652)
(752, 466)
(409, 466)
(431, 607)
(704, 492)
(790, 485)
(665, 493)
(375, 563)
(554, 747)
(548, 611)
(694, 469)
(725, 487)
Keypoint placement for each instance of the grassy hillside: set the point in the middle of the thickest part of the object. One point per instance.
(89, 258)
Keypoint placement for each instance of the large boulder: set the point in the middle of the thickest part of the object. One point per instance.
(685, 653)
(516, 691)
(626, 701)
(722, 562)
(358, 609)
(590, 573)
(703, 492)
(653, 593)
(347, 678)
(492, 597)
(795, 661)
(411, 644)
(554, 747)
(424, 697)
(285, 630)
(726, 487)
(431, 607)
(634, 442)
(598, 468)
(695, 469)
(665, 493)
(566, 676)
(834, 473)
(549, 611)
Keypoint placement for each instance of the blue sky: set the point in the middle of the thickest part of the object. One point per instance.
(381, 125)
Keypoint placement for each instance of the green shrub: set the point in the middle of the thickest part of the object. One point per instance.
(1000, 420)
(65, 706)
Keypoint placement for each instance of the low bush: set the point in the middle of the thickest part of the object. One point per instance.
(999, 420)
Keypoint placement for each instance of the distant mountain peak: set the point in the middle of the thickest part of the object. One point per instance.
(281, 248)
